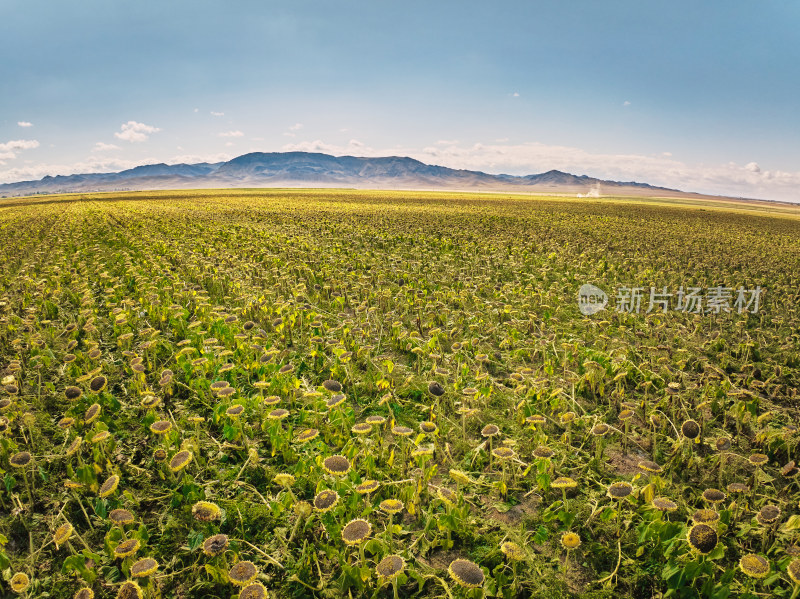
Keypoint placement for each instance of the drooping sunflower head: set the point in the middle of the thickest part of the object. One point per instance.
(544, 453)
(793, 570)
(600, 429)
(126, 548)
(206, 511)
(392, 506)
(368, 486)
(361, 428)
(619, 490)
(390, 566)
(649, 466)
(768, 514)
(690, 429)
(254, 590)
(120, 517)
(664, 504)
(21, 459)
(758, 459)
(755, 566)
(466, 573)
(356, 531)
(564, 482)
(332, 386)
(160, 427)
(243, 573)
(144, 567)
(92, 413)
(62, 534)
(108, 487)
(512, 551)
(714, 496)
(570, 540)
(180, 460)
(215, 545)
(705, 516)
(284, 479)
(490, 430)
(702, 538)
(336, 465)
(84, 593)
(325, 500)
(435, 389)
(307, 435)
(20, 582)
(98, 384)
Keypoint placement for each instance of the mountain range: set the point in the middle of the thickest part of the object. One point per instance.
(307, 169)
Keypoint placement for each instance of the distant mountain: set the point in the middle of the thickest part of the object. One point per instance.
(306, 169)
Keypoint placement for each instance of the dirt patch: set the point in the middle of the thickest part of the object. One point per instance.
(624, 465)
(514, 516)
(440, 559)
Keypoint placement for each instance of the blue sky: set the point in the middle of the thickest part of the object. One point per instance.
(701, 96)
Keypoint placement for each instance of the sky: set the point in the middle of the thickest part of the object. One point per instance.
(698, 96)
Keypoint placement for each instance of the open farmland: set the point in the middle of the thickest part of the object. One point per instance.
(383, 394)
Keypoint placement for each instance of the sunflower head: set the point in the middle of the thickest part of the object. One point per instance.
(392, 506)
(793, 570)
(702, 538)
(180, 460)
(664, 504)
(120, 517)
(512, 551)
(325, 500)
(242, 573)
(127, 548)
(390, 566)
(690, 429)
(144, 567)
(254, 590)
(336, 465)
(206, 511)
(768, 514)
(20, 582)
(62, 534)
(466, 573)
(619, 490)
(356, 531)
(108, 487)
(755, 566)
(570, 540)
(215, 545)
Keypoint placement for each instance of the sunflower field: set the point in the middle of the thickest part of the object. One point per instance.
(337, 393)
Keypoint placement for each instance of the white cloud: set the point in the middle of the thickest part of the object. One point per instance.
(446, 142)
(296, 127)
(530, 158)
(135, 132)
(9, 150)
(103, 147)
(626, 103)
(515, 95)
(752, 167)
(228, 144)
(24, 124)
(232, 134)
(217, 113)
(19, 144)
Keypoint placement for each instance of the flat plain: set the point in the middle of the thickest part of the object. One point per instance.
(334, 393)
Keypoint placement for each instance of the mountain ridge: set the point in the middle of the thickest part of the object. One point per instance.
(281, 169)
